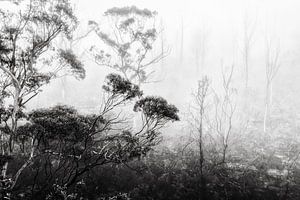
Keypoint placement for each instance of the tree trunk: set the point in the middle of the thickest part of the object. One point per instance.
(202, 195)
(181, 43)
(14, 124)
(267, 106)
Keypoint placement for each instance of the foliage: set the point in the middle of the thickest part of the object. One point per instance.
(29, 55)
(156, 108)
(126, 11)
(62, 145)
(128, 50)
(69, 57)
(118, 85)
(60, 153)
(158, 177)
(29, 60)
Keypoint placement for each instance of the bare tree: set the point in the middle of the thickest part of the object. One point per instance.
(162, 41)
(271, 66)
(181, 42)
(200, 98)
(201, 49)
(213, 113)
(249, 29)
(224, 108)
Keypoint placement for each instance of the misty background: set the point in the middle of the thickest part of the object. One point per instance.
(225, 72)
(201, 38)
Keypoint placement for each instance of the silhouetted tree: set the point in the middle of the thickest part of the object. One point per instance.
(64, 145)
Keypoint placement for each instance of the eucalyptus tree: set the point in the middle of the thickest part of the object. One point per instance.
(30, 58)
(67, 144)
(130, 38)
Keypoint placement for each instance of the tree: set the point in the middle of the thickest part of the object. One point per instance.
(221, 116)
(130, 38)
(201, 49)
(181, 42)
(201, 97)
(162, 41)
(65, 144)
(225, 108)
(249, 28)
(271, 66)
(29, 59)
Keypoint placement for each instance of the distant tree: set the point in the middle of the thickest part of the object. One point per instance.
(181, 42)
(130, 37)
(272, 66)
(249, 28)
(29, 59)
(201, 49)
(162, 41)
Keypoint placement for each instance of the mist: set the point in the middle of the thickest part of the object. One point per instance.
(216, 27)
(227, 73)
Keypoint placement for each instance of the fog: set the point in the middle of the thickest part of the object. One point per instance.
(232, 68)
(203, 38)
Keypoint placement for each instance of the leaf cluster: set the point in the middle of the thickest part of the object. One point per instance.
(157, 108)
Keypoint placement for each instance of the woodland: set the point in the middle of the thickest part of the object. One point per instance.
(225, 150)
